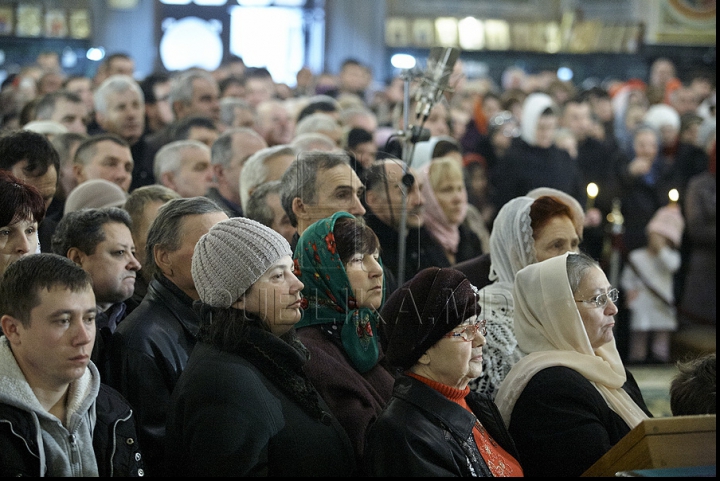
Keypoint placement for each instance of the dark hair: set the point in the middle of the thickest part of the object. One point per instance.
(180, 129)
(444, 147)
(47, 103)
(25, 278)
(353, 236)
(84, 229)
(225, 83)
(88, 148)
(19, 200)
(693, 390)
(323, 106)
(258, 72)
(31, 146)
(358, 136)
(544, 209)
(166, 229)
(300, 177)
(148, 85)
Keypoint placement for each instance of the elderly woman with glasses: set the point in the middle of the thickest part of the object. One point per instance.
(434, 425)
(570, 399)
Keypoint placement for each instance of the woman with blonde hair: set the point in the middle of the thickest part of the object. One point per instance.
(446, 206)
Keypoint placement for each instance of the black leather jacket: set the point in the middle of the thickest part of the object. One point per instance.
(422, 433)
(114, 440)
(150, 350)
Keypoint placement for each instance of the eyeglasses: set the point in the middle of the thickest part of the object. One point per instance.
(601, 300)
(470, 332)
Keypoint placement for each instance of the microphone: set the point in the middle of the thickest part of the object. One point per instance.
(440, 64)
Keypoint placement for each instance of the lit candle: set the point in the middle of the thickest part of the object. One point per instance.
(673, 195)
(592, 192)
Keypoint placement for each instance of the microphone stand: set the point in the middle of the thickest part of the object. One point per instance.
(407, 151)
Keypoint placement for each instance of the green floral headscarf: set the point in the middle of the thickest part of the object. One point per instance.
(329, 297)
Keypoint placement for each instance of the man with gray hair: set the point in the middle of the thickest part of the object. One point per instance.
(319, 184)
(184, 166)
(195, 92)
(63, 107)
(151, 347)
(313, 141)
(264, 206)
(235, 112)
(229, 153)
(263, 166)
(322, 124)
(120, 110)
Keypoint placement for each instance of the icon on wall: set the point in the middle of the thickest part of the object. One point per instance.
(55, 23)
(29, 21)
(80, 23)
(6, 20)
(396, 32)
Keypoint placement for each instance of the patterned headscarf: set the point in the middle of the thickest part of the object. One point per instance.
(329, 297)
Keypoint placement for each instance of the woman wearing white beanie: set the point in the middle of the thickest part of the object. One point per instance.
(244, 406)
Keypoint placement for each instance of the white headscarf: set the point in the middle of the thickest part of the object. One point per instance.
(549, 328)
(533, 107)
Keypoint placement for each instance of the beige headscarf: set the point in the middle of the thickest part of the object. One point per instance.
(549, 328)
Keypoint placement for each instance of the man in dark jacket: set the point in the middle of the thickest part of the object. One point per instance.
(56, 419)
(383, 200)
(151, 347)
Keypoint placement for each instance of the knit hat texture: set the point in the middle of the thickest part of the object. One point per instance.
(232, 256)
(668, 222)
(423, 310)
(95, 194)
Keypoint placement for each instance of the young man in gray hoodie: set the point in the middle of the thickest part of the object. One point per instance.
(56, 418)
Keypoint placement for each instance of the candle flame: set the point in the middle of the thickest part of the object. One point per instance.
(592, 190)
(674, 195)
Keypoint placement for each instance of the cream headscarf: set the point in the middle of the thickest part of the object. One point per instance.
(549, 328)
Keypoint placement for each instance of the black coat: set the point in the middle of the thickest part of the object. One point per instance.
(562, 425)
(114, 440)
(227, 418)
(150, 349)
(422, 433)
(525, 167)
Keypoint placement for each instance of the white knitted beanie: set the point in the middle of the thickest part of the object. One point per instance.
(232, 256)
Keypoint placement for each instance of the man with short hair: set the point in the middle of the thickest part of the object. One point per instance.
(259, 86)
(99, 241)
(120, 110)
(30, 157)
(273, 123)
(184, 166)
(383, 200)
(236, 112)
(104, 156)
(143, 205)
(195, 93)
(156, 91)
(319, 184)
(118, 63)
(195, 127)
(152, 345)
(264, 206)
(56, 418)
(63, 107)
(264, 166)
(229, 153)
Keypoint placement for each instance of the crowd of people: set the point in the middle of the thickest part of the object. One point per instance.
(204, 274)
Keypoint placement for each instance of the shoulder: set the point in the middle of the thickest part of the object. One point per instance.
(558, 381)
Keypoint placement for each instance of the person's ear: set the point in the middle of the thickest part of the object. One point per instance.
(424, 359)
(10, 327)
(299, 209)
(79, 173)
(371, 198)
(76, 255)
(162, 260)
(167, 179)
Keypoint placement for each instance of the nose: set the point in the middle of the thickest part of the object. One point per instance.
(611, 309)
(479, 340)
(357, 207)
(134, 264)
(85, 334)
(296, 285)
(25, 244)
(375, 268)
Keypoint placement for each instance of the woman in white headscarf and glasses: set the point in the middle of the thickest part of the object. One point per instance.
(570, 399)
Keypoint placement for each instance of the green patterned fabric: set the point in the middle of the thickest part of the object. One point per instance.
(330, 298)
